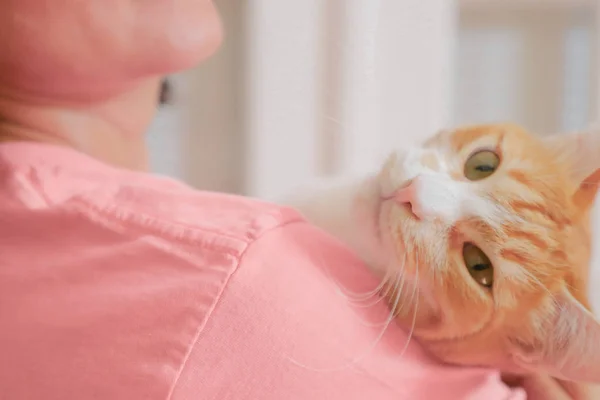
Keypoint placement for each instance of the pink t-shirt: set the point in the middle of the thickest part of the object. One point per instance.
(120, 285)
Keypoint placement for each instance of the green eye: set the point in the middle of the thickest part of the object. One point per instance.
(478, 264)
(481, 165)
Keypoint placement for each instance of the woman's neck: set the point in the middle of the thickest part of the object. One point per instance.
(110, 130)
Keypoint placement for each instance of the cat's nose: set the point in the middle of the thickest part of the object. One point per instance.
(407, 195)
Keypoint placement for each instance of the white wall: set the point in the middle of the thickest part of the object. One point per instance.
(282, 94)
(333, 85)
(200, 138)
(530, 65)
(396, 73)
(304, 88)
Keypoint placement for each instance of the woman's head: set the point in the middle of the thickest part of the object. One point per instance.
(88, 48)
(492, 225)
(87, 73)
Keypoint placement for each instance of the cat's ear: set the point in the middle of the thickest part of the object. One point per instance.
(566, 344)
(581, 153)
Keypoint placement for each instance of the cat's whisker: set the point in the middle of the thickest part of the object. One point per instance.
(397, 293)
(415, 297)
(378, 298)
(393, 286)
(534, 280)
(358, 297)
(390, 319)
(396, 287)
(334, 120)
(555, 178)
(385, 288)
(350, 295)
(390, 289)
(412, 297)
(389, 282)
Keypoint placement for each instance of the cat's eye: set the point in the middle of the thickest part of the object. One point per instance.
(481, 165)
(478, 264)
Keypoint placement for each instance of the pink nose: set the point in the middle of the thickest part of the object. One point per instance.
(407, 194)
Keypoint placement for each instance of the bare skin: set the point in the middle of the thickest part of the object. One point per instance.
(86, 74)
(100, 129)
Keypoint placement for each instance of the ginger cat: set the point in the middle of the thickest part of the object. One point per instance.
(490, 226)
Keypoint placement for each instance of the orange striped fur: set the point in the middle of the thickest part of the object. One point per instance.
(532, 219)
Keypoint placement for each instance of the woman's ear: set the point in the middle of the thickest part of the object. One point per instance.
(166, 92)
(580, 152)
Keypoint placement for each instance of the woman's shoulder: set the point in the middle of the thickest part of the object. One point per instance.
(115, 273)
(38, 176)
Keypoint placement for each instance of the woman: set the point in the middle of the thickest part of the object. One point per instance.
(115, 284)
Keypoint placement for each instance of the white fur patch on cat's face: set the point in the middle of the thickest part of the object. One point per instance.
(436, 195)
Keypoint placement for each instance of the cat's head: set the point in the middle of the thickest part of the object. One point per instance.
(490, 226)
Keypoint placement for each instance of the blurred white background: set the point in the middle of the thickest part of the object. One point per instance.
(303, 88)
(310, 87)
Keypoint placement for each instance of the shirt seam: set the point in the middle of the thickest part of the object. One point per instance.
(84, 203)
(218, 298)
(99, 216)
(150, 223)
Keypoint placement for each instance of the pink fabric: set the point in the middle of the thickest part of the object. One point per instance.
(117, 285)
